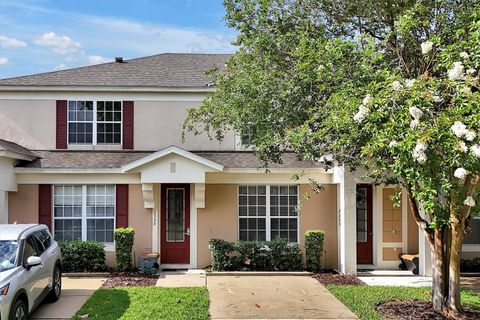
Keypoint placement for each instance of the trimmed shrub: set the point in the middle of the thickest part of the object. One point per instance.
(123, 248)
(276, 255)
(314, 249)
(82, 256)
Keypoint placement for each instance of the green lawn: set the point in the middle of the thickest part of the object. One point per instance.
(146, 303)
(361, 299)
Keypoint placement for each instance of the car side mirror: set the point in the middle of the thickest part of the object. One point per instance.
(33, 261)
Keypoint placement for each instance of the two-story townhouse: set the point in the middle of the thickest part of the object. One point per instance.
(90, 149)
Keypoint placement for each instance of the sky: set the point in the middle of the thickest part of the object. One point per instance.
(48, 35)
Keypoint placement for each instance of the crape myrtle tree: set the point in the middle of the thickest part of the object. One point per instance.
(389, 86)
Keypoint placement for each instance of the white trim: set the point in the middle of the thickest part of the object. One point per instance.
(404, 221)
(176, 266)
(280, 170)
(470, 247)
(193, 228)
(172, 150)
(92, 178)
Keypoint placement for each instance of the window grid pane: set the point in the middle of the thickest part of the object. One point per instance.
(253, 213)
(96, 208)
(109, 122)
(80, 121)
(283, 212)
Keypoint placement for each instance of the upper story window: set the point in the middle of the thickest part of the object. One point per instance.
(94, 122)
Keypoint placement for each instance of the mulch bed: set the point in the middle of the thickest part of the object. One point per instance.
(418, 310)
(331, 277)
(129, 279)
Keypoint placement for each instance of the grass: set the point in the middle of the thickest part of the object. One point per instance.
(361, 299)
(146, 303)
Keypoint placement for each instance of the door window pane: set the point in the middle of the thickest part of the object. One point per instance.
(362, 206)
(175, 215)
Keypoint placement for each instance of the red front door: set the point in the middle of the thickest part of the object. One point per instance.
(364, 224)
(175, 224)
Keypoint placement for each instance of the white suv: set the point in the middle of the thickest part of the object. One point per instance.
(30, 269)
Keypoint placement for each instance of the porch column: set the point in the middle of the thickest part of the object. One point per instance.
(347, 222)
(3, 207)
(424, 255)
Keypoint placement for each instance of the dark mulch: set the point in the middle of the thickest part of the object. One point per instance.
(331, 277)
(129, 279)
(418, 310)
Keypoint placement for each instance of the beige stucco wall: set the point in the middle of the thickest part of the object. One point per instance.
(159, 124)
(30, 123)
(320, 212)
(23, 204)
(219, 219)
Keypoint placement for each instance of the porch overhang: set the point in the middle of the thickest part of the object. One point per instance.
(172, 165)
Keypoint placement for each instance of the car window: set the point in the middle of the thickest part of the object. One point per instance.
(8, 254)
(38, 244)
(29, 249)
(44, 238)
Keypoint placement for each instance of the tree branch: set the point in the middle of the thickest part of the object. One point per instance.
(421, 222)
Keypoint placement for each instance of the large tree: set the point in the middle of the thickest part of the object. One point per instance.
(390, 86)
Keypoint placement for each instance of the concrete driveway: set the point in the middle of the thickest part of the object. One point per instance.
(75, 292)
(272, 297)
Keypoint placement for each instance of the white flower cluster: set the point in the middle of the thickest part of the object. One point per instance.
(460, 130)
(462, 147)
(437, 98)
(409, 83)
(419, 152)
(469, 201)
(460, 173)
(427, 46)
(416, 113)
(396, 85)
(464, 55)
(475, 149)
(363, 110)
(393, 144)
(457, 72)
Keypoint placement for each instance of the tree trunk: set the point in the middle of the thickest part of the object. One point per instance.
(439, 274)
(454, 303)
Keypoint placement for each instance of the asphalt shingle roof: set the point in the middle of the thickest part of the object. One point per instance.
(116, 159)
(13, 147)
(168, 70)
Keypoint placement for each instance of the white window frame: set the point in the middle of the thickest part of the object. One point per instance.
(267, 216)
(94, 123)
(84, 217)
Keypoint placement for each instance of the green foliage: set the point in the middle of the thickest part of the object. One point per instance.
(146, 303)
(314, 241)
(123, 248)
(362, 299)
(82, 256)
(276, 255)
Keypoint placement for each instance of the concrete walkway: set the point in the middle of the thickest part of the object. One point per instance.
(272, 297)
(75, 292)
(407, 279)
(179, 279)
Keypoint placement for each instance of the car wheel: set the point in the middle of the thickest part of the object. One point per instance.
(56, 291)
(19, 311)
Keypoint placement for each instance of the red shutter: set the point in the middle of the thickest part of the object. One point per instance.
(61, 124)
(45, 204)
(127, 124)
(122, 205)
